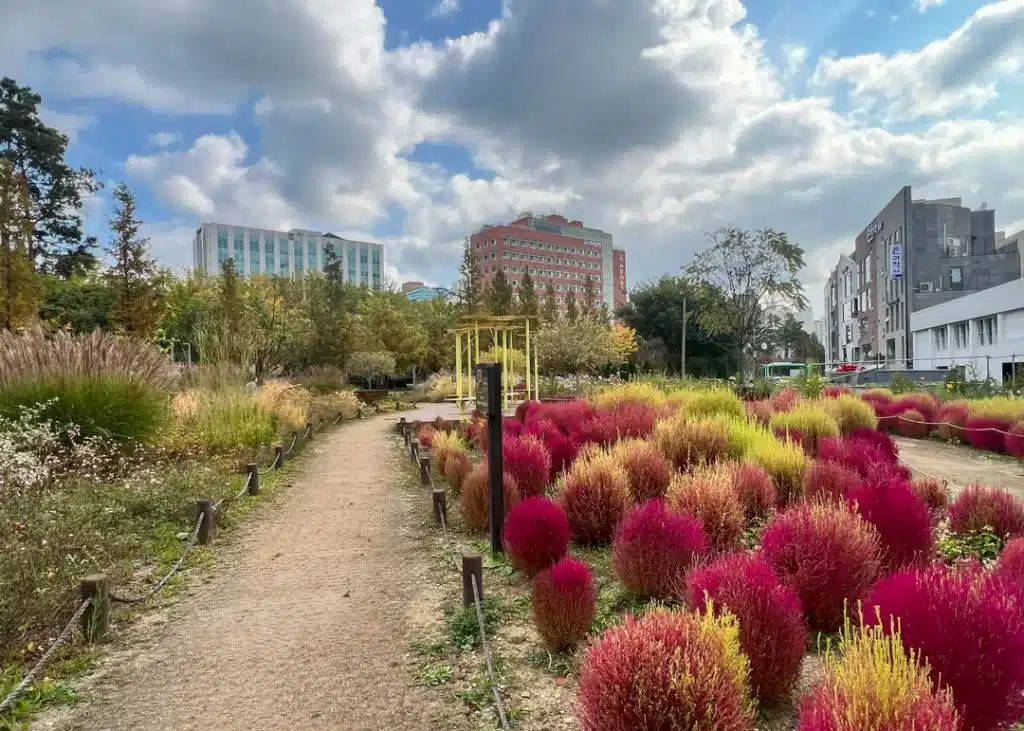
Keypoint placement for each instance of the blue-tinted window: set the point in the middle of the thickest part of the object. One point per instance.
(351, 264)
(297, 253)
(254, 253)
(375, 271)
(283, 249)
(268, 252)
(311, 253)
(222, 247)
(239, 250)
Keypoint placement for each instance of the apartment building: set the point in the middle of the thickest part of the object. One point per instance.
(555, 250)
(258, 251)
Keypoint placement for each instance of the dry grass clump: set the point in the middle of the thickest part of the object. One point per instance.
(686, 442)
(707, 494)
(289, 403)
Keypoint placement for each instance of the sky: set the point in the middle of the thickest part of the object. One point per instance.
(414, 122)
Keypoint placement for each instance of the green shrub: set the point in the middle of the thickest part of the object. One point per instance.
(714, 403)
(811, 422)
(224, 421)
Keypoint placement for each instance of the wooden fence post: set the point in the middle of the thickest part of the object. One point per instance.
(254, 478)
(472, 565)
(439, 503)
(414, 448)
(424, 458)
(96, 619)
(278, 456)
(206, 528)
(309, 430)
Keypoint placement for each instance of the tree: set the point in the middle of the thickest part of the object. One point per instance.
(79, 304)
(575, 348)
(19, 284)
(371, 365)
(549, 314)
(528, 302)
(36, 152)
(387, 322)
(470, 294)
(77, 262)
(133, 276)
(436, 318)
(651, 355)
(746, 273)
(572, 313)
(623, 339)
(499, 295)
(589, 298)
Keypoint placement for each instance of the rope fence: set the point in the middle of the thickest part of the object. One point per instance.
(961, 427)
(93, 613)
(471, 566)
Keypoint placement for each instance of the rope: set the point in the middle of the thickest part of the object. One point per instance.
(292, 445)
(229, 500)
(31, 674)
(929, 474)
(955, 426)
(189, 544)
(499, 706)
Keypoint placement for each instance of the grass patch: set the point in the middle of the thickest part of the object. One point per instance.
(436, 673)
(462, 625)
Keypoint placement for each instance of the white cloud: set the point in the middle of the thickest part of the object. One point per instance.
(165, 139)
(923, 6)
(795, 58)
(444, 8)
(70, 124)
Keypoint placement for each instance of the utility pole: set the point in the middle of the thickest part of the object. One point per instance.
(682, 358)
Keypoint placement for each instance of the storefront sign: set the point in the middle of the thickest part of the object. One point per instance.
(874, 228)
(896, 262)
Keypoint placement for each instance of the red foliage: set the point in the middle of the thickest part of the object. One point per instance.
(902, 519)
(970, 631)
(773, 632)
(827, 553)
(952, 417)
(836, 391)
(828, 479)
(456, 469)
(475, 501)
(911, 423)
(425, 435)
(654, 548)
(986, 432)
(648, 471)
(979, 507)
(600, 429)
(876, 397)
(634, 420)
(755, 489)
(830, 709)
(564, 603)
(594, 498)
(796, 436)
(536, 535)
(511, 427)
(1013, 442)
(880, 441)
(871, 459)
(933, 492)
(526, 459)
(566, 415)
(632, 679)
(886, 412)
(923, 403)
(785, 400)
(561, 447)
(1010, 565)
(760, 411)
(525, 410)
(707, 495)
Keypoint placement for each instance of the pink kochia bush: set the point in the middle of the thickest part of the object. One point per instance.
(828, 479)
(1013, 442)
(773, 633)
(970, 631)
(902, 519)
(594, 494)
(536, 535)
(562, 449)
(911, 423)
(634, 420)
(827, 553)
(475, 501)
(870, 457)
(986, 432)
(600, 429)
(666, 671)
(648, 471)
(977, 508)
(526, 459)
(564, 603)
(755, 489)
(952, 417)
(654, 548)
(1010, 565)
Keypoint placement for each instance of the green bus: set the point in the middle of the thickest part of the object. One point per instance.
(782, 370)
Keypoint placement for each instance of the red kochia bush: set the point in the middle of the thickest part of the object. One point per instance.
(871, 459)
(526, 459)
(979, 507)
(902, 519)
(595, 492)
(654, 548)
(648, 471)
(564, 603)
(911, 423)
(1010, 565)
(561, 448)
(456, 469)
(1013, 441)
(986, 432)
(773, 633)
(425, 435)
(952, 417)
(566, 415)
(475, 501)
(825, 552)
(923, 403)
(970, 631)
(599, 429)
(755, 489)
(536, 535)
(666, 671)
(880, 441)
(933, 492)
(827, 479)
(634, 420)
(836, 391)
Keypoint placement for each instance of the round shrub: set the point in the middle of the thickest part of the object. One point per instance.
(827, 553)
(707, 495)
(564, 603)
(754, 488)
(911, 423)
(812, 421)
(529, 463)
(986, 432)
(1013, 441)
(923, 403)
(882, 445)
(877, 395)
(873, 684)
(886, 413)
(562, 449)
(594, 493)
(933, 492)
(668, 670)
(829, 480)
(851, 413)
(773, 633)
(635, 420)
(687, 442)
(475, 501)
(834, 392)
(786, 463)
(760, 411)
(720, 402)
(970, 631)
(536, 535)
(902, 519)
(442, 447)
(456, 469)
(1010, 564)
(978, 507)
(868, 458)
(425, 435)
(952, 417)
(600, 429)
(566, 415)
(654, 548)
(648, 472)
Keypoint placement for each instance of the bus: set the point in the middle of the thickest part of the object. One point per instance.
(783, 370)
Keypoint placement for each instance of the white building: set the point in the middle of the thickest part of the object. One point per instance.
(982, 332)
(285, 253)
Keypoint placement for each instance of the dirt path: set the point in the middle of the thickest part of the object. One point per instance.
(303, 625)
(962, 464)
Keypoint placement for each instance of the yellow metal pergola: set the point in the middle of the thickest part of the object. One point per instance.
(503, 330)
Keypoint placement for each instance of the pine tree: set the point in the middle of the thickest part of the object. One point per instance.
(572, 313)
(528, 304)
(499, 295)
(20, 288)
(550, 312)
(588, 303)
(470, 294)
(133, 277)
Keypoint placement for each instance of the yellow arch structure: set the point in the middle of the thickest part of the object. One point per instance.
(503, 330)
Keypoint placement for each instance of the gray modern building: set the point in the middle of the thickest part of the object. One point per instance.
(913, 254)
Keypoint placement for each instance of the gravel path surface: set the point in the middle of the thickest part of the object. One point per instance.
(303, 625)
(962, 464)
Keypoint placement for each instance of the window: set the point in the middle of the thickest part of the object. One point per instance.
(987, 330)
(222, 247)
(940, 338)
(961, 335)
(375, 267)
(956, 277)
(351, 264)
(311, 254)
(254, 253)
(283, 249)
(297, 253)
(268, 252)
(239, 250)
(867, 269)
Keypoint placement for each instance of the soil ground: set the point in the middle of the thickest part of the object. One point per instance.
(962, 465)
(305, 622)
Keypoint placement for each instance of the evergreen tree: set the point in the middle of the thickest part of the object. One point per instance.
(230, 299)
(499, 295)
(528, 303)
(572, 313)
(470, 294)
(602, 313)
(550, 312)
(20, 288)
(588, 303)
(133, 276)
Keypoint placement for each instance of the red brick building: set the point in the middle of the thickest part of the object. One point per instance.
(553, 249)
